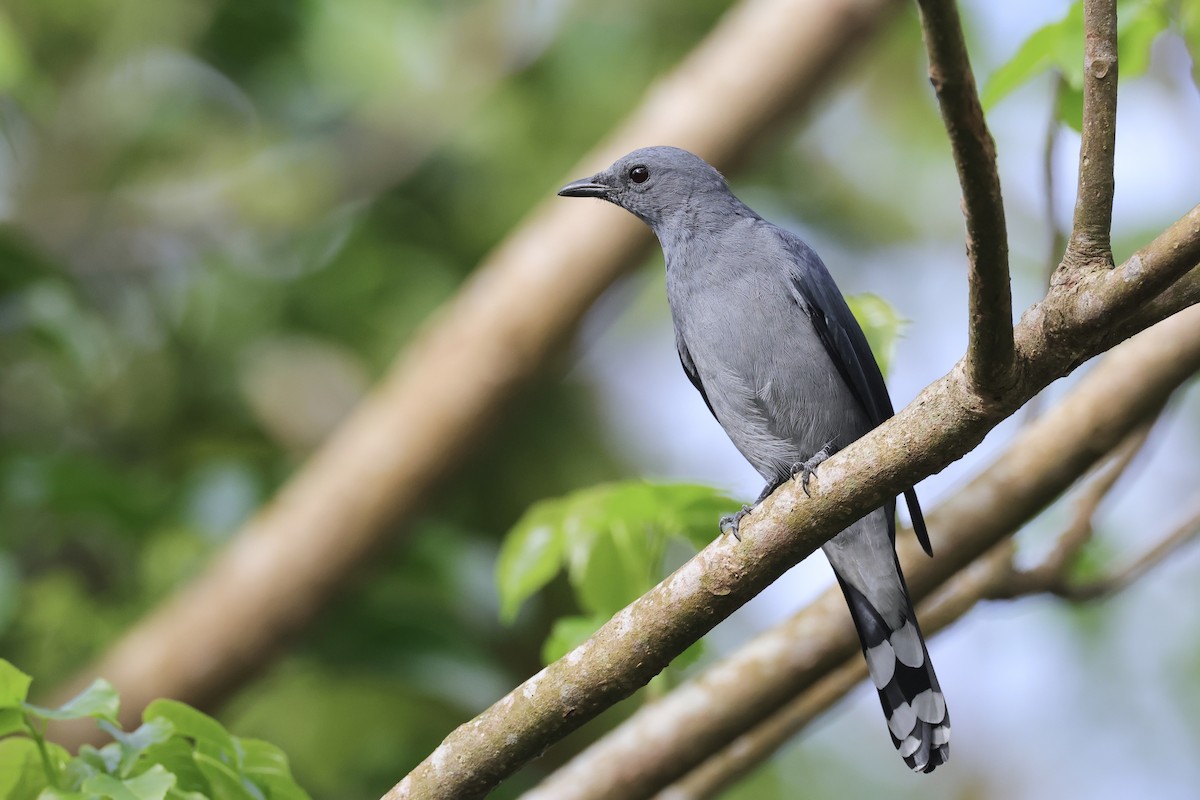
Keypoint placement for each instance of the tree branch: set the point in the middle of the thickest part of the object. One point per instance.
(1055, 566)
(989, 577)
(1089, 245)
(731, 697)
(990, 354)
(746, 752)
(948, 419)
(1053, 577)
(763, 61)
(1158, 280)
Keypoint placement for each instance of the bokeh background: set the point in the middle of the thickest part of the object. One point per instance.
(221, 219)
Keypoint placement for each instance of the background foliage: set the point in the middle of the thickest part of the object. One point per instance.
(219, 220)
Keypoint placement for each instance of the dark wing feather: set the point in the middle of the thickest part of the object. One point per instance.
(847, 346)
(689, 369)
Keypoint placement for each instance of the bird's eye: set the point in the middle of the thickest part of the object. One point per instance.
(639, 174)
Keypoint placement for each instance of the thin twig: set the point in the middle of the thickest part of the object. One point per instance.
(1051, 572)
(1090, 245)
(990, 359)
(1119, 581)
(1058, 238)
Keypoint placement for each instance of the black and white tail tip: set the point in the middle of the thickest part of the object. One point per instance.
(911, 698)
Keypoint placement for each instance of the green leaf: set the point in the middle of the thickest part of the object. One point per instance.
(611, 538)
(1056, 45)
(224, 781)
(267, 767)
(691, 511)
(12, 720)
(1070, 108)
(880, 323)
(1138, 27)
(132, 745)
(1060, 46)
(98, 701)
(1189, 29)
(51, 793)
(619, 568)
(176, 756)
(22, 776)
(91, 761)
(208, 734)
(530, 556)
(153, 784)
(568, 633)
(14, 686)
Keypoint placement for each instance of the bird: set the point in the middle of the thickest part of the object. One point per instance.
(766, 337)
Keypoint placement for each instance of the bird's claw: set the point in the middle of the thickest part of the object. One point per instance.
(806, 469)
(731, 522)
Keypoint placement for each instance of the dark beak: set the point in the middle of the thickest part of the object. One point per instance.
(587, 187)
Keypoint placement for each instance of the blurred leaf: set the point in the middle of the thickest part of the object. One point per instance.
(14, 685)
(1057, 45)
(1189, 29)
(530, 556)
(618, 567)
(21, 774)
(613, 536)
(880, 323)
(693, 511)
(176, 756)
(1095, 561)
(150, 785)
(98, 701)
(91, 761)
(12, 721)
(567, 633)
(132, 745)
(1139, 24)
(223, 779)
(267, 767)
(208, 734)
(1070, 107)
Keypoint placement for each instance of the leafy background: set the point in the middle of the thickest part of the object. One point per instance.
(219, 220)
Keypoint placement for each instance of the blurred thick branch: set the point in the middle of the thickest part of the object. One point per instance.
(796, 659)
(765, 60)
(990, 352)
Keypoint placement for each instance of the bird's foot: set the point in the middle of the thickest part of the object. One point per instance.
(806, 469)
(731, 522)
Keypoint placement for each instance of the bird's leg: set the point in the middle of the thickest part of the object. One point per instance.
(731, 522)
(806, 469)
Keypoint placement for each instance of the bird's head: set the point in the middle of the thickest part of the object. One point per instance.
(657, 184)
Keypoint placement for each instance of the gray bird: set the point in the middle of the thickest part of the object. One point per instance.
(767, 339)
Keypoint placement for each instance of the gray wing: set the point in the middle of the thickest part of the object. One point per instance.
(847, 346)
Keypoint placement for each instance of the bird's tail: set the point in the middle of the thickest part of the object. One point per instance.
(898, 662)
